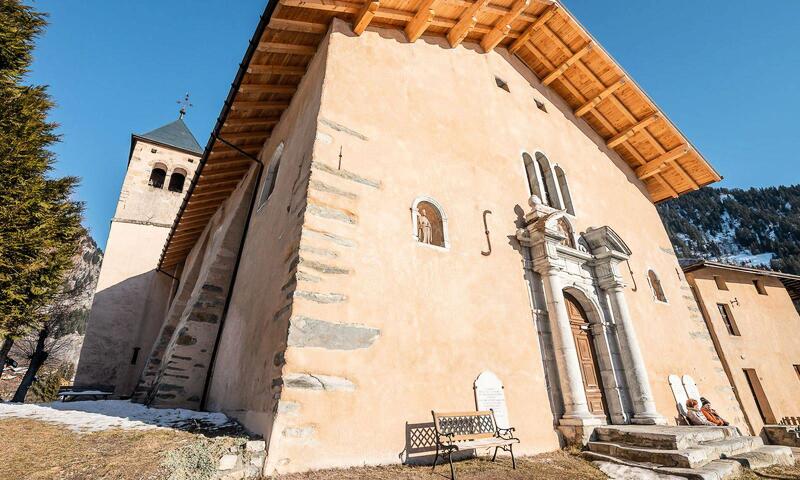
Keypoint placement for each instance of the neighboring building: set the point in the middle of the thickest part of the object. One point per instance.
(130, 294)
(383, 214)
(754, 327)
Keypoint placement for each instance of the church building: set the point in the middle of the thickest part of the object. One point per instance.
(400, 197)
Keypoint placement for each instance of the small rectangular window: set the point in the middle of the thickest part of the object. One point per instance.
(721, 285)
(727, 319)
(759, 287)
(797, 369)
(135, 356)
(502, 84)
(540, 105)
(270, 177)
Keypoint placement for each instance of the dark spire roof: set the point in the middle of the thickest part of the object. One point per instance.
(175, 134)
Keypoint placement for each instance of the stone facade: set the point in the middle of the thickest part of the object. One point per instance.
(131, 297)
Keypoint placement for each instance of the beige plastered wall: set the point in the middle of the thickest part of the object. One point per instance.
(399, 121)
(769, 342)
(130, 297)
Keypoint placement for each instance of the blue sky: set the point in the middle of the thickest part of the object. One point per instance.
(724, 71)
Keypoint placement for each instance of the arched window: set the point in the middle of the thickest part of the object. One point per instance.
(548, 186)
(430, 223)
(655, 286)
(176, 180)
(566, 197)
(157, 176)
(532, 175)
(272, 175)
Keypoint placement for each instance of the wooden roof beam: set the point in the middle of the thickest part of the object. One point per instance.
(242, 122)
(543, 18)
(591, 104)
(248, 106)
(421, 21)
(365, 16)
(297, 26)
(567, 64)
(275, 70)
(632, 130)
(503, 27)
(466, 23)
(287, 48)
(686, 176)
(256, 88)
(232, 137)
(654, 166)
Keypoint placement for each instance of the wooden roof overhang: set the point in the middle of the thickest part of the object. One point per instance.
(541, 33)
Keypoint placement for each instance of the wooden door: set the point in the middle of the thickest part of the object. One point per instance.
(764, 408)
(587, 356)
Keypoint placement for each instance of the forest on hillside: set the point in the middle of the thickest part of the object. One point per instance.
(758, 227)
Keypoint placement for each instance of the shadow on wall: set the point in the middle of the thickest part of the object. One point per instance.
(123, 322)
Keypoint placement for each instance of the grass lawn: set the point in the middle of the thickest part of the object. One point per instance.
(32, 449)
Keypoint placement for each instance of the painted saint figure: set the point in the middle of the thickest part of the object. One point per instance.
(424, 228)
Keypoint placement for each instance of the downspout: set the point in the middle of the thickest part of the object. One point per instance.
(232, 284)
(719, 351)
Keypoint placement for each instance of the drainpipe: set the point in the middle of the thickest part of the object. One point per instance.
(719, 351)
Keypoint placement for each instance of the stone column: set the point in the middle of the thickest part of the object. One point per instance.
(644, 406)
(576, 406)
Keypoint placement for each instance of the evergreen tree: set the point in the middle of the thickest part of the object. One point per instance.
(39, 223)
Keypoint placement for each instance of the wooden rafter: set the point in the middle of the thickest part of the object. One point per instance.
(275, 70)
(297, 26)
(542, 20)
(287, 48)
(584, 109)
(231, 137)
(632, 130)
(242, 122)
(421, 21)
(466, 23)
(567, 64)
(246, 106)
(503, 26)
(654, 166)
(257, 88)
(365, 16)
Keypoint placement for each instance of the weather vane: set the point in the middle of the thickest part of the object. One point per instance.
(184, 103)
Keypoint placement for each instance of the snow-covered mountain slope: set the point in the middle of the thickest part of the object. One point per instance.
(758, 227)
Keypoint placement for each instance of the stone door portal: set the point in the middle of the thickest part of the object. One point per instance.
(592, 382)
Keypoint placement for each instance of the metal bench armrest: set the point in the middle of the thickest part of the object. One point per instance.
(445, 438)
(506, 433)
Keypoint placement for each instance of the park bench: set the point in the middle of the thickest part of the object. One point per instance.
(459, 431)
(75, 394)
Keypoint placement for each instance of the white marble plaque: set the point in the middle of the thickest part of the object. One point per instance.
(489, 395)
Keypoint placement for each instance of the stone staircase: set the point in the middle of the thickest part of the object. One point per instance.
(707, 453)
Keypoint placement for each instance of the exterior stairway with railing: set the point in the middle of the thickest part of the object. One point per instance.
(707, 453)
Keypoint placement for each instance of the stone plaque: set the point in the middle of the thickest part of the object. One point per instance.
(489, 395)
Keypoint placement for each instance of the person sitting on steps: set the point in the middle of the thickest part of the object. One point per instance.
(694, 415)
(711, 414)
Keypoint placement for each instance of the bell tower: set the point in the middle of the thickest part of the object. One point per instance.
(127, 304)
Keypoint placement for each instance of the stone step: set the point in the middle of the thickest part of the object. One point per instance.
(666, 437)
(765, 456)
(714, 470)
(684, 458)
(732, 446)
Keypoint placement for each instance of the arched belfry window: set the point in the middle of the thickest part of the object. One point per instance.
(566, 197)
(176, 180)
(655, 286)
(157, 176)
(430, 222)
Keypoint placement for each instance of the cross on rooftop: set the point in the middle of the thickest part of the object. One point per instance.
(184, 103)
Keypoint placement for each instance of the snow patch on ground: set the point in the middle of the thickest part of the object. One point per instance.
(94, 416)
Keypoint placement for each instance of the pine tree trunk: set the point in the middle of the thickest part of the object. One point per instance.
(8, 342)
(37, 360)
